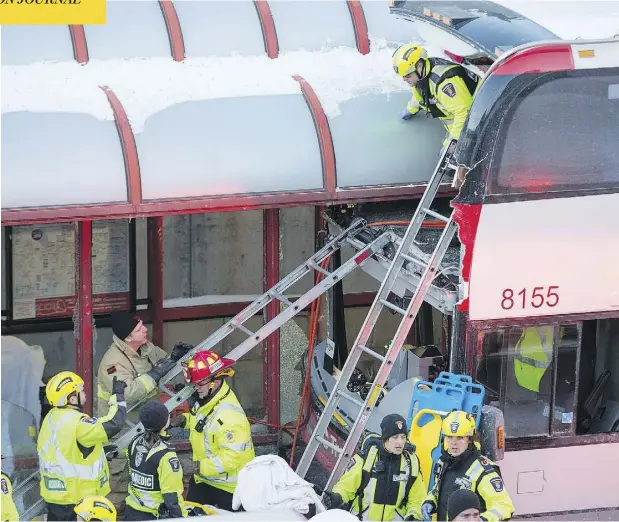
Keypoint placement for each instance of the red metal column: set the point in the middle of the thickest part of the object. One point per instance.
(83, 315)
(270, 270)
(155, 276)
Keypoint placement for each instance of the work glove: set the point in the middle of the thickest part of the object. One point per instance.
(111, 452)
(196, 511)
(180, 350)
(118, 387)
(331, 500)
(161, 368)
(406, 115)
(427, 508)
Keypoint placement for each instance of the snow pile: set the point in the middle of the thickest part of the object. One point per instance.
(585, 19)
(147, 86)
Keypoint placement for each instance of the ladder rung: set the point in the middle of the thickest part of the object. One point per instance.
(324, 441)
(371, 352)
(393, 307)
(318, 268)
(415, 260)
(350, 398)
(239, 326)
(281, 298)
(436, 215)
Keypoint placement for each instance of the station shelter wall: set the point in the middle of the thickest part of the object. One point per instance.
(216, 258)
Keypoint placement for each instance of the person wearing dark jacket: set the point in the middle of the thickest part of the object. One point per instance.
(156, 476)
(461, 466)
(383, 482)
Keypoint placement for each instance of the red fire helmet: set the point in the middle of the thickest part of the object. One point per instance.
(207, 365)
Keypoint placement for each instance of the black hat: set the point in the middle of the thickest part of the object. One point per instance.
(154, 416)
(461, 500)
(123, 323)
(393, 424)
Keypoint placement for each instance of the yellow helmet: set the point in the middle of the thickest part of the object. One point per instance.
(459, 424)
(61, 385)
(407, 56)
(96, 508)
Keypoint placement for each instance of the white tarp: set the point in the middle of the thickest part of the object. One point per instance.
(22, 373)
(267, 483)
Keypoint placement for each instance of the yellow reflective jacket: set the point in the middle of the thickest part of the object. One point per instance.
(130, 366)
(471, 471)
(72, 462)
(533, 355)
(383, 494)
(9, 511)
(446, 93)
(155, 479)
(220, 438)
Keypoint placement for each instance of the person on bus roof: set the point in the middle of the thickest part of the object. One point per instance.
(461, 466)
(384, 481)
(441, 88)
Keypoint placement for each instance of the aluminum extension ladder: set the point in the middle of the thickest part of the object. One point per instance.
(253, 338)
(275, 293)
(360, 345)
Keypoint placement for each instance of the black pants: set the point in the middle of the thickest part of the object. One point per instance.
(207, 494)
(134, 514)
(61, 511)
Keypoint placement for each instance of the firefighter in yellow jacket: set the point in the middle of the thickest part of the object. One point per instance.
(441, 88)
(156, 477)
(219, 431)
(461, 466)
(9, 511)
(72, 462)
(384, 481)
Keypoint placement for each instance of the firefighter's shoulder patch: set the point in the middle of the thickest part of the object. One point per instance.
(497, 484)
(174, 464)
(449, 89)
(5, 486)
(90, 420)
(111, 369)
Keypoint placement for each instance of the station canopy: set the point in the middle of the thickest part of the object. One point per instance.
(208, 105)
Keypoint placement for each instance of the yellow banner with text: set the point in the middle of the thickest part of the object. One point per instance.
(52, 12)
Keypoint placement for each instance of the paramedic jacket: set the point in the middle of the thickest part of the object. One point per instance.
(446, 93)
(470, 470)
(155, 479)
(383, 497)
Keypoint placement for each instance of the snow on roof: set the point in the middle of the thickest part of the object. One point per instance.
(569, 20)
(147, 86)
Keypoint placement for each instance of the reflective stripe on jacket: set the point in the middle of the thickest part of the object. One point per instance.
(482, 477)
(533, 354)
(383, 498)
(223, 445)
(9, 511)
(72, 463)
(447, 94)
(155, 479)
(127, 365)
